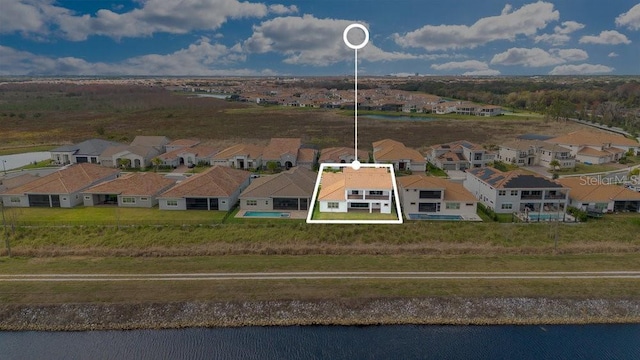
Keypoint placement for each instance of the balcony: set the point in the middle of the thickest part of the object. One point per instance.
(355, 197)
(376, 197)
(556, 196)
(531, 197)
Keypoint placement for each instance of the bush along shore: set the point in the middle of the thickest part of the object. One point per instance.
(418, 311)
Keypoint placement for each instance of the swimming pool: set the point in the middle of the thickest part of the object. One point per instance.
(543, 217)
(269, 214)
(435, 217)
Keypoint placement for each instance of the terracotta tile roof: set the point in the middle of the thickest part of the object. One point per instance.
(112, 150)
(201, 150)
(297, 182)
(184, 142)
(218, 181)
(133, 184)
(333, 185)
(14, 182)
(307, 155)
(592, 190)
(594, 138)
(390, 150)
(66, 181)
(252, 151)
(280, 146)
(150, 141)
(592, 152)
(452, 191)
(333, 154)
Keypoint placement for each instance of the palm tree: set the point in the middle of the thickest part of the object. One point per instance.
(554, 164)
(156, 161)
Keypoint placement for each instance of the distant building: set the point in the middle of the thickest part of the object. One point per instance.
(459, 155)
(283, 151)
(84, 152)
(536, 153)
(389, 151)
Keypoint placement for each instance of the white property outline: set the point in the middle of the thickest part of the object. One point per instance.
(316, 189)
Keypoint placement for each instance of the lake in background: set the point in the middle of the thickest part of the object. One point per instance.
(19, 160)
(333, 342)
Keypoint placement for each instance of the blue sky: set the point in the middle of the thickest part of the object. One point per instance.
(230, 37)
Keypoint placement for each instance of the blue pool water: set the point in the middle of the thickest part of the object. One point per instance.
(269, 214)
(542, 217)
(435, 217)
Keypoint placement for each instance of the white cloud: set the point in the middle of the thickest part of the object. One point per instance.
(200, 58)
(568, 27)
(570, 54)
(153, 16)
(464, 65)
(607, 37)
(560, 33)
(612, 54)
(582, 69)
(535, 57)
(308, 40)
(29, 17)
(279, 9)
(526, 20)
(487, 72)
(630, 19)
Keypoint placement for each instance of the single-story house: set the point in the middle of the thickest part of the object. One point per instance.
(366, 189)
(389, 151)
(181, 144)
(421, 194)
(307, 157)
(594, 194)
(283, 151)
(289, 190)
(239, 156)
(62, 188)
(341, 155)
(216, 188)
(87, 151)
(130, 190)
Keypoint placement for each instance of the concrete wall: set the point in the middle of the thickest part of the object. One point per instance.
(263, 204)
(342, 207)
(23, 200)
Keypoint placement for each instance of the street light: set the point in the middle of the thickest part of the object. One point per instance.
(4, 168)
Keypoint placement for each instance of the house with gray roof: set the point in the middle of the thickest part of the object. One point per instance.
(288, 190)
(517, 192)
(87, 151)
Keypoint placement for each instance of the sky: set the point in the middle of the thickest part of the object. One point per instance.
(305, 38)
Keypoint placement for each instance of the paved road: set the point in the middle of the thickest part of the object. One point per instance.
(321, 275)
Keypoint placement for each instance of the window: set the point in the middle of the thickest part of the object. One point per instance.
(87, 197)
(502, 192)
(468, 204)
(172, 202)
(15, 199)
(129, 200)
(333, 205)
(144, 199)
(430, 194)
(514, 192)
(252, 202)
(375, 192)
(355, 192)
(453, 206)
(507, 206)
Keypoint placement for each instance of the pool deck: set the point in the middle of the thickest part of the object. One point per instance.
(292, 214)
(465, 217)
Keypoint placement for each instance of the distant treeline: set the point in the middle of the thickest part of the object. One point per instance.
(611, 101)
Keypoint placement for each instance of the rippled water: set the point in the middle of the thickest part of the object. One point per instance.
(333, 342)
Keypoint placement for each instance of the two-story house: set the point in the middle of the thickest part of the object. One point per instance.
(366, 189)
(516, 191)
(536, 152)
(459, 155)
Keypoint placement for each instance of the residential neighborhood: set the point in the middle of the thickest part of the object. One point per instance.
(518, 177)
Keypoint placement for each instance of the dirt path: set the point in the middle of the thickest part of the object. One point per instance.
(321, 275)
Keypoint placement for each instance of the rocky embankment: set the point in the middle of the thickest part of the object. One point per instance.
(459, 311)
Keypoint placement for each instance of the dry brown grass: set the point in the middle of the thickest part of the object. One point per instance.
(50, 114)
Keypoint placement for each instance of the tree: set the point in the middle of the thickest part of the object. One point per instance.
(555, 165)
(124, 163)
(272, 166)
(156, 161)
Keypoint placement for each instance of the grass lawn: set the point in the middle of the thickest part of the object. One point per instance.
(38, 165)
(352, 215)
(167, 291)
(108, 215)
(587, 169)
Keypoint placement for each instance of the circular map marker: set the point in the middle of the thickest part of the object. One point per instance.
(355, 165)
(364, 42)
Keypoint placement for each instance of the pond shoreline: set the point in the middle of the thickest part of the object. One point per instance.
(348, 312)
